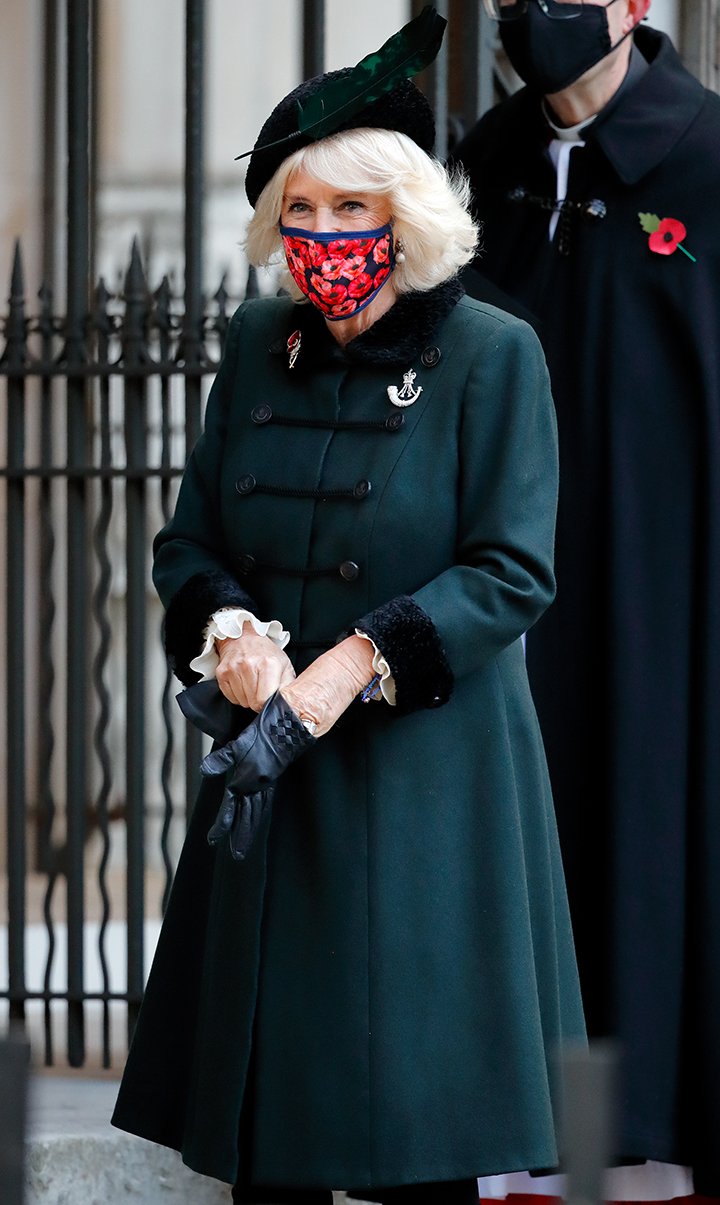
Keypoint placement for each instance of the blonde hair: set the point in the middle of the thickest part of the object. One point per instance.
(430, 205)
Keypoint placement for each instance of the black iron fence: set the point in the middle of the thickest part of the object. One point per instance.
(102, 403)
(98, 429)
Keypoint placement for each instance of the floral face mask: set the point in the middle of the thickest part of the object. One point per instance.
(339, 273)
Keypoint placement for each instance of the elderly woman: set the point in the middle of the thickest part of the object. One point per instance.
(367, 995)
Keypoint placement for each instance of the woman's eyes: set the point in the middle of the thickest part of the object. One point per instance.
(304, 207)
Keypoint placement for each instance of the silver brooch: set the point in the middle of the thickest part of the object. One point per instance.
(406, 395)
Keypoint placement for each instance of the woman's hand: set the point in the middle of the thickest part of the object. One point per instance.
(326, 688)
(251, 668)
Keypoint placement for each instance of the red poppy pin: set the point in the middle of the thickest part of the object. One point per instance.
(666, 235)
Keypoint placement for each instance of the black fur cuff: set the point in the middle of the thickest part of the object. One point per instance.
(188, 615)
(410, 643)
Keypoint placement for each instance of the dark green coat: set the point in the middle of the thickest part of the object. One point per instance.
(375, 995)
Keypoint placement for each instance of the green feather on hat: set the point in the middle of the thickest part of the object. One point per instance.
(377, 92)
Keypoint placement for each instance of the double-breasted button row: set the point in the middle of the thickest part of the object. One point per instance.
(247, 483)
(264, 413)
(348, 570)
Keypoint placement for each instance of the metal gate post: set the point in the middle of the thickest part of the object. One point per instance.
(78, 244)
(15, 357)
(313, 38)
(192, 346)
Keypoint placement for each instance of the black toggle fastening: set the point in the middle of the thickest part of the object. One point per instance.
(261, 414)
(265, 414)
(593, 210)
(348, 570)
(246, 484)
(430, 357)
(395, 421)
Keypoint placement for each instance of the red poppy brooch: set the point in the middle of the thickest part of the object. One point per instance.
(666, 235)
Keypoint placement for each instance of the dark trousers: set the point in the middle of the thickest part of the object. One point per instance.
(458, 1192)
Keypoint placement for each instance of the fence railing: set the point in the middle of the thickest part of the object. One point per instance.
(98, 429)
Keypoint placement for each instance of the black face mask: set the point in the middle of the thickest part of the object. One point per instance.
(551, 54)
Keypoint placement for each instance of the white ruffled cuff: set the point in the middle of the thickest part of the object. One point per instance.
(381, 667)
(228, 622)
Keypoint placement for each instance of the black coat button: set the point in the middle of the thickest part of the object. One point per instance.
(430, 356)
(261, 414)
(361, 490)
(246, 484)
(395, 422)
(349, 571)
(246, 562)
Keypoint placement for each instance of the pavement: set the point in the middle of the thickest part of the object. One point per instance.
(75, 1157)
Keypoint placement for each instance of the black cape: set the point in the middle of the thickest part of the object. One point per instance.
(625, 666)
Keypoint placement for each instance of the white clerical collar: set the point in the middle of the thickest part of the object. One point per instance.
(567, 133)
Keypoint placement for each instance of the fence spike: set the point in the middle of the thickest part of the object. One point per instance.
(17, 280)
(162, 305)
(16, 353)
(101, 319)
(137, 308)
(135, 283)
(220, 297)
(45, 297)
(221, 294)
(102, 292)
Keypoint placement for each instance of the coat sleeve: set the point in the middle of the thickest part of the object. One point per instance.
(503, 579)
(190, 568)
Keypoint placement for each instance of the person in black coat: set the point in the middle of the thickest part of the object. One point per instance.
(598, 187)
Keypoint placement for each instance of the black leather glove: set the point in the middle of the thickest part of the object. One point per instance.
(238, 819)
(205, 706)
(253, 762)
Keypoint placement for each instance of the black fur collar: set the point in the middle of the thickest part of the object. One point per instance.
(397, 337)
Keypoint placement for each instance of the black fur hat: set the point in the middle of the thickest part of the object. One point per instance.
(377, 93)
(404, 108)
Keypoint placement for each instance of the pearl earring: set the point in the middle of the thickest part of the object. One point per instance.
(399, 253)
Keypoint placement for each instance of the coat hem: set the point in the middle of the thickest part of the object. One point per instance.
(340, 1179)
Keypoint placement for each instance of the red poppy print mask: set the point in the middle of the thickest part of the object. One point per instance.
(339, 273)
